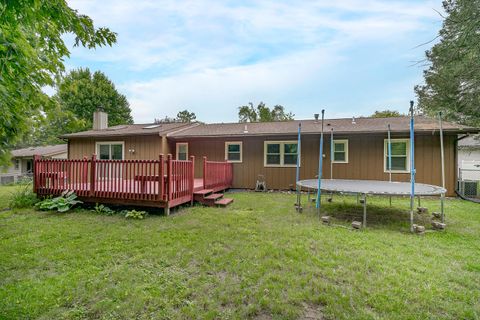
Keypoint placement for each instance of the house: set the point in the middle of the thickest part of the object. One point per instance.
(22, 161)
(270, 148)
(469, 166)
(469, 149)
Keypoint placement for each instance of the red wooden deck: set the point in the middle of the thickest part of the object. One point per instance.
(164, 183)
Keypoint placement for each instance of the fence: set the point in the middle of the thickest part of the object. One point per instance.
(217, 175)
(162, 180)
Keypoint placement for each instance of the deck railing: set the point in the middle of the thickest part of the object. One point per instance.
(217, 175)
(166, 180)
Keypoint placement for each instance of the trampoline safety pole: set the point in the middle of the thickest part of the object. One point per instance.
(389, 159)
(320, 166)
(332, 154)
(442, 196)
(364, 210)
(412, 165)
(297, 175)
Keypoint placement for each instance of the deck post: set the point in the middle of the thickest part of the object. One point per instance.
(35, 172)
(204, 171)
(161, 177)
(92, 175)
(169, 178)
(192, 178)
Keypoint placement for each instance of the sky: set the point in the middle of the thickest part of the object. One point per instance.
(349, 57)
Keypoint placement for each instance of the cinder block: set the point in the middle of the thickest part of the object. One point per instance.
(436, 214)
(356, 225)
(422, 210)
(326, 219)
(419, 229)
(438, 225)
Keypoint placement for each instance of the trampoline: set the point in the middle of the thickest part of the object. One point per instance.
(371, 187)
(374, 187)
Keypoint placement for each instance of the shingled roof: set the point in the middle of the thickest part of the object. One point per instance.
(42, 151)
(340, 126)
(131, 129)
(345, 126)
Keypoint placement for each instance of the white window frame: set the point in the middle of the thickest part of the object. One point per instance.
(177, 145)
(99, 143)
(340, 141)
(385, 155)
(17, 165)
(282, 153)
(229, 143)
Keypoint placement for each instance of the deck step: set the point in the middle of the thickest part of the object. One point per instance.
(224, 202)
(203, 192)
(213, 196)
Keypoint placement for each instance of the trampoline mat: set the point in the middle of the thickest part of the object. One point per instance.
(372, 187)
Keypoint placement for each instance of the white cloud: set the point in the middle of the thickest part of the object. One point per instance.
(210, 56)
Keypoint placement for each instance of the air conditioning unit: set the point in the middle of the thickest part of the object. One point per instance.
(469, 189)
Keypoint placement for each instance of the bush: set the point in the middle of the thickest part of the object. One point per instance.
(62, 204)
(23, 197)
(101, 209)
(134, 214)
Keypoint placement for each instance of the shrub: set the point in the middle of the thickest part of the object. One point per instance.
(101, 209)
(134, 214)
(23, 197)
(62, 203)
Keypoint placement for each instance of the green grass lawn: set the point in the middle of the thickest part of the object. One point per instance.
(256, 259)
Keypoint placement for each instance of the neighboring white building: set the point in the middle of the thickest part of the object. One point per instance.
(469, 149)
(469, 166)
(22, 161)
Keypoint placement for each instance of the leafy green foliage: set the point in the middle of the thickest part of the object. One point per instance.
(23, 197)
(452, 80)
(186, 116)
(134, 214)
(81, 93)
(31, 57)
(62, 203)
(262, 113)
(386, 114)
(104, 210)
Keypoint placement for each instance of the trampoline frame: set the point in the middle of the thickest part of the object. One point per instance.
(439, 190)
(302, 184)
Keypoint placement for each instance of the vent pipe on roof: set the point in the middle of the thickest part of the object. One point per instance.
(316, 117)
(100, 120)
(353, 120)
(245, 130)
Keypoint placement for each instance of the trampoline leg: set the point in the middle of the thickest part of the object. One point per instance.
(419, 204)
(357, 198)
(442, 200)
(390, 198)
(364, 210)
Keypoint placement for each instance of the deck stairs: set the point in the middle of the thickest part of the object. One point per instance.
(210, 198)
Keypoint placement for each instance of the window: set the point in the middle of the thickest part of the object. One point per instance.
(110, 150)
(340, 151)
(400, 155)
(16, 164)
(233, 151)
(280, 153)
(182, 151)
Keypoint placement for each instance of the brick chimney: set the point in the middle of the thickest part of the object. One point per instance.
(100, 120)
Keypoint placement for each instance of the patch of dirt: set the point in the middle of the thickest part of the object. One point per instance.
(312, 312)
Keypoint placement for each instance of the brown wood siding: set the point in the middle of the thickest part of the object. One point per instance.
(366, 162)
(146, 147)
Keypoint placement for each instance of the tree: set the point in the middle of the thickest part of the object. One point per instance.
(452, 80)
(186, 116)
(262, 113)
(81, 93)
(386, 114)
(31, 57)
